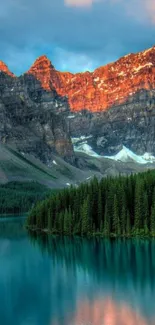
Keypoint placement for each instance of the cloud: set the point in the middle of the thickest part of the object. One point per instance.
(86, 3)
(150, 9)
(79, 3)
(69, 61)
(146, 7)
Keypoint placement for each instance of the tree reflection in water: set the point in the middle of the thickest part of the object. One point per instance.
(120, 288)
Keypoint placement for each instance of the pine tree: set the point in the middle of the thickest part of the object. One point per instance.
(39, 222)
(146, 214)
(128, 224)
(50, 220)
(152, 225)
(94, 201)
(76, 207)
(60, 222)
(99, 209)
(116, 218)
(106, 226)
(66, 223)
(101, 227)
(85, 227)
(123, 219)
(70, 217)
(139, 207)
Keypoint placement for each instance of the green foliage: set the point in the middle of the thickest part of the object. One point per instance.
(121, 206)
(85, 223)
(20, 197)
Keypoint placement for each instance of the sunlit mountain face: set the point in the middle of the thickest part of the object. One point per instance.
(107, 86)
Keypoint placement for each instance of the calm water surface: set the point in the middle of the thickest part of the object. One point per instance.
(62, 281)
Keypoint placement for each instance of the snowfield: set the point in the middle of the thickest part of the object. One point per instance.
(124, 155)
(84, 147)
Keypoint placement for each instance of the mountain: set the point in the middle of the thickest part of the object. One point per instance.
(15, 166)
(103, 121)
(4, 68)
(114, 104)
(107, 86)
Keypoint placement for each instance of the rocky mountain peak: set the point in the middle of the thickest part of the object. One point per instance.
(42, 63)
(4, 68)
(108, 86)
(42, 70)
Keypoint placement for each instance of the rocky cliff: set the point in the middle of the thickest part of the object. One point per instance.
(29, 119)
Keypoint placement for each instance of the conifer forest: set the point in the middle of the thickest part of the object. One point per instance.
(123, 206)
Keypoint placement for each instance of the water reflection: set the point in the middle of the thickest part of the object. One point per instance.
(105, 312)
(118, 279)
(65, 281)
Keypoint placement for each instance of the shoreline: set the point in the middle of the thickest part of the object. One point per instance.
(11, 215)
(94, 235)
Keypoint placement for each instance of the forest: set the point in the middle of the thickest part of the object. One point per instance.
(123, 206)
(19, 197)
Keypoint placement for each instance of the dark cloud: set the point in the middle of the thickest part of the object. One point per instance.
(73, 38)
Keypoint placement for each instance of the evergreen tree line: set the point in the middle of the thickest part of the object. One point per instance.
(121, 206)
(19, 197)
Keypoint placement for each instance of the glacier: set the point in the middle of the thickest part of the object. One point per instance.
(85, 148)
(124, 155)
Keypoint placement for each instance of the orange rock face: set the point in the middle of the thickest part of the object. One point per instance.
(4, 68)
(107, 86)
(97, 91)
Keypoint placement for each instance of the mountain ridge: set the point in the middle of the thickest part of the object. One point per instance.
(105, 87)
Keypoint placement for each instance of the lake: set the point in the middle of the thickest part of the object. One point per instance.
(64, 281)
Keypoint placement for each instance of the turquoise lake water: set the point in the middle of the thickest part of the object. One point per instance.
(64, 281)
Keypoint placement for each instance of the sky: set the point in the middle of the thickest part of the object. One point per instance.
(76, 35)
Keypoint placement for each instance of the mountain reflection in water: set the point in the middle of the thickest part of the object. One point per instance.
(117, 276)
(47, 280)
(105, 312)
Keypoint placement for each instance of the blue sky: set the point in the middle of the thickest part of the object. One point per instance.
(76, 35)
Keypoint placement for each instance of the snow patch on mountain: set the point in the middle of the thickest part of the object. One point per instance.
(149, 64)
(54, 162)
(126, 155)
(148, 157)
(85, 148)
(80, 145)
(70, 116)
(81, 139)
